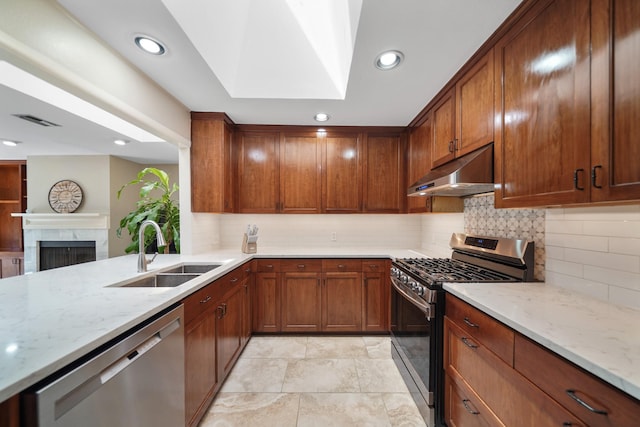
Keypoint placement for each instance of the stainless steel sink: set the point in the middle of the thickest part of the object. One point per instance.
(192, 268)
(169, 278)
(160, 280)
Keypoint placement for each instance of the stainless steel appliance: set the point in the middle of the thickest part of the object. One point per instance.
(417, 307)
(138, 380)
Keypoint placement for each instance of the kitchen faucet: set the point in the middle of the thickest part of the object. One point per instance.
(142, 258)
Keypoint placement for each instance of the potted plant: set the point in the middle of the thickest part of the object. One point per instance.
(162, 210)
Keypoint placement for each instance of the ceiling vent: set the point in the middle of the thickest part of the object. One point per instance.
(36, 120)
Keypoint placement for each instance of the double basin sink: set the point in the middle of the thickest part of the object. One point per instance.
(169, 278)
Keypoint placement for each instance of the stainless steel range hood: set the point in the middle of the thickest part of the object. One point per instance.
(467, 175)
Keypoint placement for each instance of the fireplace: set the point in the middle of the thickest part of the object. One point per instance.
(60, 253)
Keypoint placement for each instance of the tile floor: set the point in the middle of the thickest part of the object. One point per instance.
(314, 381)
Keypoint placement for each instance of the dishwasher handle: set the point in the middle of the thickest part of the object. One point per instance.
(84, 390)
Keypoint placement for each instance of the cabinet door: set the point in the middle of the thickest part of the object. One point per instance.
(542, 83)
(200, 365)
(229, 330)
(211, 163)
(245, 334)
(342, 302)
(342, 174)
(300, 178)
(376, 301)
(301, 302)
(443, 128)
(474, 107)
(418, 162)
(13, 197)
(266, 303)
(258, 179)
(383, 174)
(615, 100)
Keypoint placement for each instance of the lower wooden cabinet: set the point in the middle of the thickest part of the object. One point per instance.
(10, 412)
(341, 308)
(11, 264)
(495, 376)
(376, 292)
(217, 319)
(266, 298)
(301, 295)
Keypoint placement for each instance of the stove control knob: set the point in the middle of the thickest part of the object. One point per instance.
(395, 272)
(420, 290)
(404, 278)
(413, 285)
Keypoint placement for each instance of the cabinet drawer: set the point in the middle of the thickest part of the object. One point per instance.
(313, 265)
(464, 408)
(268, 265)
(341, 264)
(199, 302)
(557, 376)
(510, 396)
(494, 335)
(375, 265)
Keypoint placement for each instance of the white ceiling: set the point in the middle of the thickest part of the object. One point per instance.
(436, 37)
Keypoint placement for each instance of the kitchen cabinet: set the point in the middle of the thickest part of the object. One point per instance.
(383, 173)
(463, 117)
(615, 101)
(469, 359)
(215, 334)
(301, 296)
(11, 264)
(258, 174)
(542, 82)
(341, 172)
(266, 296)
(300, 173)
(376, 290)
(341, 304)
(13, 198)
(211, 163)
(10, 412)
(201, 380)
(557, 377)
(247, 279)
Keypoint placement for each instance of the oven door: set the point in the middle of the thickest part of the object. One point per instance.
(416, 335)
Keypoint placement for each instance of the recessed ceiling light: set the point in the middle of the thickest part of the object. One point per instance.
(389, 60)
(120, 142)
(9, 143)
(150, 45)
(321, 117)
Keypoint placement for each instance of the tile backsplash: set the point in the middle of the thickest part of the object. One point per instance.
(595, 251)
(480, 217)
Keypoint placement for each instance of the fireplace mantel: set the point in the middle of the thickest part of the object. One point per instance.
(63, 220)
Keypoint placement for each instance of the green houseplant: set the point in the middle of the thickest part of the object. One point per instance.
(162, 210)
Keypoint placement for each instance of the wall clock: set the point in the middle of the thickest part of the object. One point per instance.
(65, 196)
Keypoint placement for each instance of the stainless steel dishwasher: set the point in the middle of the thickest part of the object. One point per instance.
(137, 381)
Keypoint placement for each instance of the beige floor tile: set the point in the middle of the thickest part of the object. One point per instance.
(378, 347)
(253, 409)
(342, 410)
(276, 347)
(379, 375)
(402, 410)
(336, 348)
(321, 375)
(257, 375)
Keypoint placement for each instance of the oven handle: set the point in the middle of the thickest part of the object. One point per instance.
(422, 305)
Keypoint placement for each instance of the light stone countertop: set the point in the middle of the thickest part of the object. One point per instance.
(51, 318)
(602, 338)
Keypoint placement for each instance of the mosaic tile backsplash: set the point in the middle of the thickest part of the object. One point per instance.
(480, 217)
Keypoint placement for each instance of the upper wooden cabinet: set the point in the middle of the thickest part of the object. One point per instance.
(615, 103)
(13, 198)
(462, 119)
(211, 163)
(258, 178)
(418, 161)
(383, 173)
(300, 172)
(341, 172)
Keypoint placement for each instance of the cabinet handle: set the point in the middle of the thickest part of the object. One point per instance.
(468, 343)
(470, 410)
(456, 144)
(269, 266)
(594, 173)
(220, 312)
(248, 270)
(451, 147)
(301, 266)
(233, 280)
(373, 266)
(470, 323)
(206, 300)
(224, 309)
(575, 179)
(572, 394)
